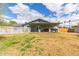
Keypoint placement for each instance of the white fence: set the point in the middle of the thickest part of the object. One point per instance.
(10, 30)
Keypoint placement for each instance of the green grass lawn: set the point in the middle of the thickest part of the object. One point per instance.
(39, 44)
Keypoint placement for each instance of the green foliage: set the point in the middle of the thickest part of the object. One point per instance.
(12, 22)
(6, 42)
(41, 44)
(25, 44)
(2, 22)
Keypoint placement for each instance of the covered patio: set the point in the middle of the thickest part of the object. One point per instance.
(40, 25)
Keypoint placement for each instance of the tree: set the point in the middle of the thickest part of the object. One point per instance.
(2, 22)
(12, 22)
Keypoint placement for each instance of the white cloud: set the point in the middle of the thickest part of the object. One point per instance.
(19, 8)
(24, 13)
(70, 8)
(66, 9)
(5, 17)
(53, 6)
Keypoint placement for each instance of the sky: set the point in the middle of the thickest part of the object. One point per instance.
(25, 12)
(32, 6)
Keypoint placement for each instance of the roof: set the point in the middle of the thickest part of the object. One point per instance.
(41, 21)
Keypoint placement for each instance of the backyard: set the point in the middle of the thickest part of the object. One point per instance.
(39, 44)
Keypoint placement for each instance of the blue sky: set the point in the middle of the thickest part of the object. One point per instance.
(8, 12)
(35, 6)
(42, 9)
(48, 10)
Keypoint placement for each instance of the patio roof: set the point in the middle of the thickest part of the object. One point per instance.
(41, 21)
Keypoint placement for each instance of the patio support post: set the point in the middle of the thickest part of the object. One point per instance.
(49, 29)
(38, 29)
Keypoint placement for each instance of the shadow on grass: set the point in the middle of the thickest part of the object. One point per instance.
(2, 37)
(77, 35)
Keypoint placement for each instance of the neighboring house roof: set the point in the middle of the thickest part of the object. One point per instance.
(17, 25)
(14, 25)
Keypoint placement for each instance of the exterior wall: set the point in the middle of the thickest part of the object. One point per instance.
(27, 29)
(77, 30)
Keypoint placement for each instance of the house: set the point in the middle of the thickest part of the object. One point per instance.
(76, 28)
(40, 25)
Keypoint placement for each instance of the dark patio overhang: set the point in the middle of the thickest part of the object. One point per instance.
(42, 22)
